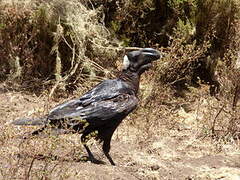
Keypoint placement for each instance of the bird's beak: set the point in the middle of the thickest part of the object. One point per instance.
(151, 53)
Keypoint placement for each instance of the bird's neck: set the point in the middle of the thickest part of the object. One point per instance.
(132, 78)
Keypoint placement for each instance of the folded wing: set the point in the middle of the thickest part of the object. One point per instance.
(108, 101)
(96, 113)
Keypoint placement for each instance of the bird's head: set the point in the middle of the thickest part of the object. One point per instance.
(141, 60)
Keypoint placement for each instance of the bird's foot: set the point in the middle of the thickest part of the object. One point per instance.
(91, 159)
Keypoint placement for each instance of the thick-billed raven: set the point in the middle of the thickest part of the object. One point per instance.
(99, 112)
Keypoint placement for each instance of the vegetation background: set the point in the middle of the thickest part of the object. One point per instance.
(187, 125)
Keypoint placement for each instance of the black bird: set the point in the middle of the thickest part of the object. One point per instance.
(99, 112)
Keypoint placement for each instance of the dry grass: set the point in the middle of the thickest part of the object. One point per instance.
(173, 140)
(64, 42)
(178, 131)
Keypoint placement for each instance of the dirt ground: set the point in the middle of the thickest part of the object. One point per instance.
(178, 154)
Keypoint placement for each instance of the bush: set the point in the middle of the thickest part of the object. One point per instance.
(67, 44)
(26, 37)
(56, 40)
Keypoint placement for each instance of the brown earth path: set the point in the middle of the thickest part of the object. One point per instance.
(178, 155)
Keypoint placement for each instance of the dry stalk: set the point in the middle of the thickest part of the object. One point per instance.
(214, 121)
(30, 168)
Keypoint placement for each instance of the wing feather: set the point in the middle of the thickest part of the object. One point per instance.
(110, 99)
(105, 109)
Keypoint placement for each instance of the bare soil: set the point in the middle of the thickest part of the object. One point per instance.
(177, 154)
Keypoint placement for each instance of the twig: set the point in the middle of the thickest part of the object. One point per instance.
(30, 167)
(53, 89)
(177, 80)
(198, 109)
(214, 121)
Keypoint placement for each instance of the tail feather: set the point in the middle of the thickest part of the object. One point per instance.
(32, 122)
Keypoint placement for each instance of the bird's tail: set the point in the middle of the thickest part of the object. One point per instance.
(32, 122)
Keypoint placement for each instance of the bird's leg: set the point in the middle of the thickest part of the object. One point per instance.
(90, 155)
(106, 149)
(84, 140)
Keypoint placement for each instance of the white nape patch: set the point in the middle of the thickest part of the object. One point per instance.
(126, 62)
